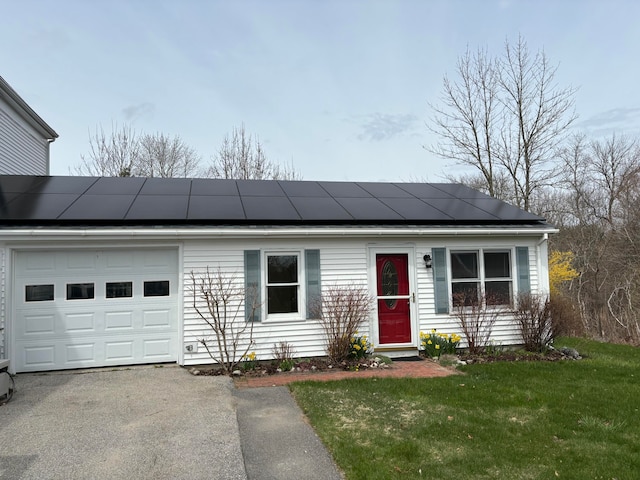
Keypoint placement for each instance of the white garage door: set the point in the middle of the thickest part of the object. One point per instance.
(78, 309)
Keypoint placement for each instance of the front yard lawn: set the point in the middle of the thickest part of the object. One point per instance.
(512, 420)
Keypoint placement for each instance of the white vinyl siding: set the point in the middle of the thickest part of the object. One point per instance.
(344, 261)
(22, 150)
(341, 263)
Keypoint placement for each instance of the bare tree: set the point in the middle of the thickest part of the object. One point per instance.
(241, 156)
(601, 185)
(114, 155)
(218, 299)
(166, 157)
(505, 117)
(123, 153)
(467, 121)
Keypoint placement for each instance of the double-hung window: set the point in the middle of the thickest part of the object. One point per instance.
(283, 284)
(481, 274)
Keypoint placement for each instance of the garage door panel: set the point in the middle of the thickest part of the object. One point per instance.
(41, 357)
(37, 324)
(84, 354)
(119, 351)
(156, 318)
(40, 263)
(79, 322)
(80, 262)
(118, 320)
(123, 328)
(156, 348)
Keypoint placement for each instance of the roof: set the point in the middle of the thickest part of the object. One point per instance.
(115, 201)
(10, 96)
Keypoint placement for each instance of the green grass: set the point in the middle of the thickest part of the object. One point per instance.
(520, 420)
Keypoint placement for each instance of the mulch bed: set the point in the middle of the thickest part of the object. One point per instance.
(322, 364)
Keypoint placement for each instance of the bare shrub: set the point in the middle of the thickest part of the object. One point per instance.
(218, 299)
(533, 317)
(342, 311)
(476, 321)
(283, 353)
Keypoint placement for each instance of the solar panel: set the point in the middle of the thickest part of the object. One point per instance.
(269, 208)
(259, 188)
(424, 190)
(416, 210)
(34, 206)
(63, 185)
(303, 189)
(215, 207)
(19, 183)
(116, 186)
(320, 208)
(32, 199)
(154, 207)
(344, 190)
(99, 207)
(166, 186)
(369, 209)
(460, 210)
(214, 186)
(384, 190)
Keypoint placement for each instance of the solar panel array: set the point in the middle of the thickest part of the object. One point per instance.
(33, 200)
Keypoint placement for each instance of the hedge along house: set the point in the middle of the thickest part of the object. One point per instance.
(97, 271)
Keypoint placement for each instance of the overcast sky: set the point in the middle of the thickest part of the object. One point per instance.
(340, 88)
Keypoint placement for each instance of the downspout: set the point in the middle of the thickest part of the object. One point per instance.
(542, 254)
(49, 142)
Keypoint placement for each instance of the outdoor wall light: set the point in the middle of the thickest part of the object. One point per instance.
(427, 261)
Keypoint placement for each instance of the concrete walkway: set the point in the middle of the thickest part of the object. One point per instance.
(277, 442)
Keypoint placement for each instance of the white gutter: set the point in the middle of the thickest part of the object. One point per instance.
(232, 232)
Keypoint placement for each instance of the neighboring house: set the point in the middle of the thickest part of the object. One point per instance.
(97, 271)
(24, 136)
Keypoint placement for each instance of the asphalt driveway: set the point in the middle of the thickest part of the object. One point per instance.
(143, 423)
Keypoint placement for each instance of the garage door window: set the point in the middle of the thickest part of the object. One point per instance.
(119, 289)
(156, 289)
(38, 293)
(80, 291)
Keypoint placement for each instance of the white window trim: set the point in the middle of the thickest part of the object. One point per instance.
(301, 314)
(482, 279)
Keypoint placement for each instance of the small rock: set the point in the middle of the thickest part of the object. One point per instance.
(314, 368)
(570, 352)
(330, 366)
(279, 370)
(195, 371)
(236, 373)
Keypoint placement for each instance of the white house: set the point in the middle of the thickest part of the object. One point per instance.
(24, 136)
(97, 271)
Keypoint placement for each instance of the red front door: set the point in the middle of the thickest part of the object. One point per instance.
(394, 324)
